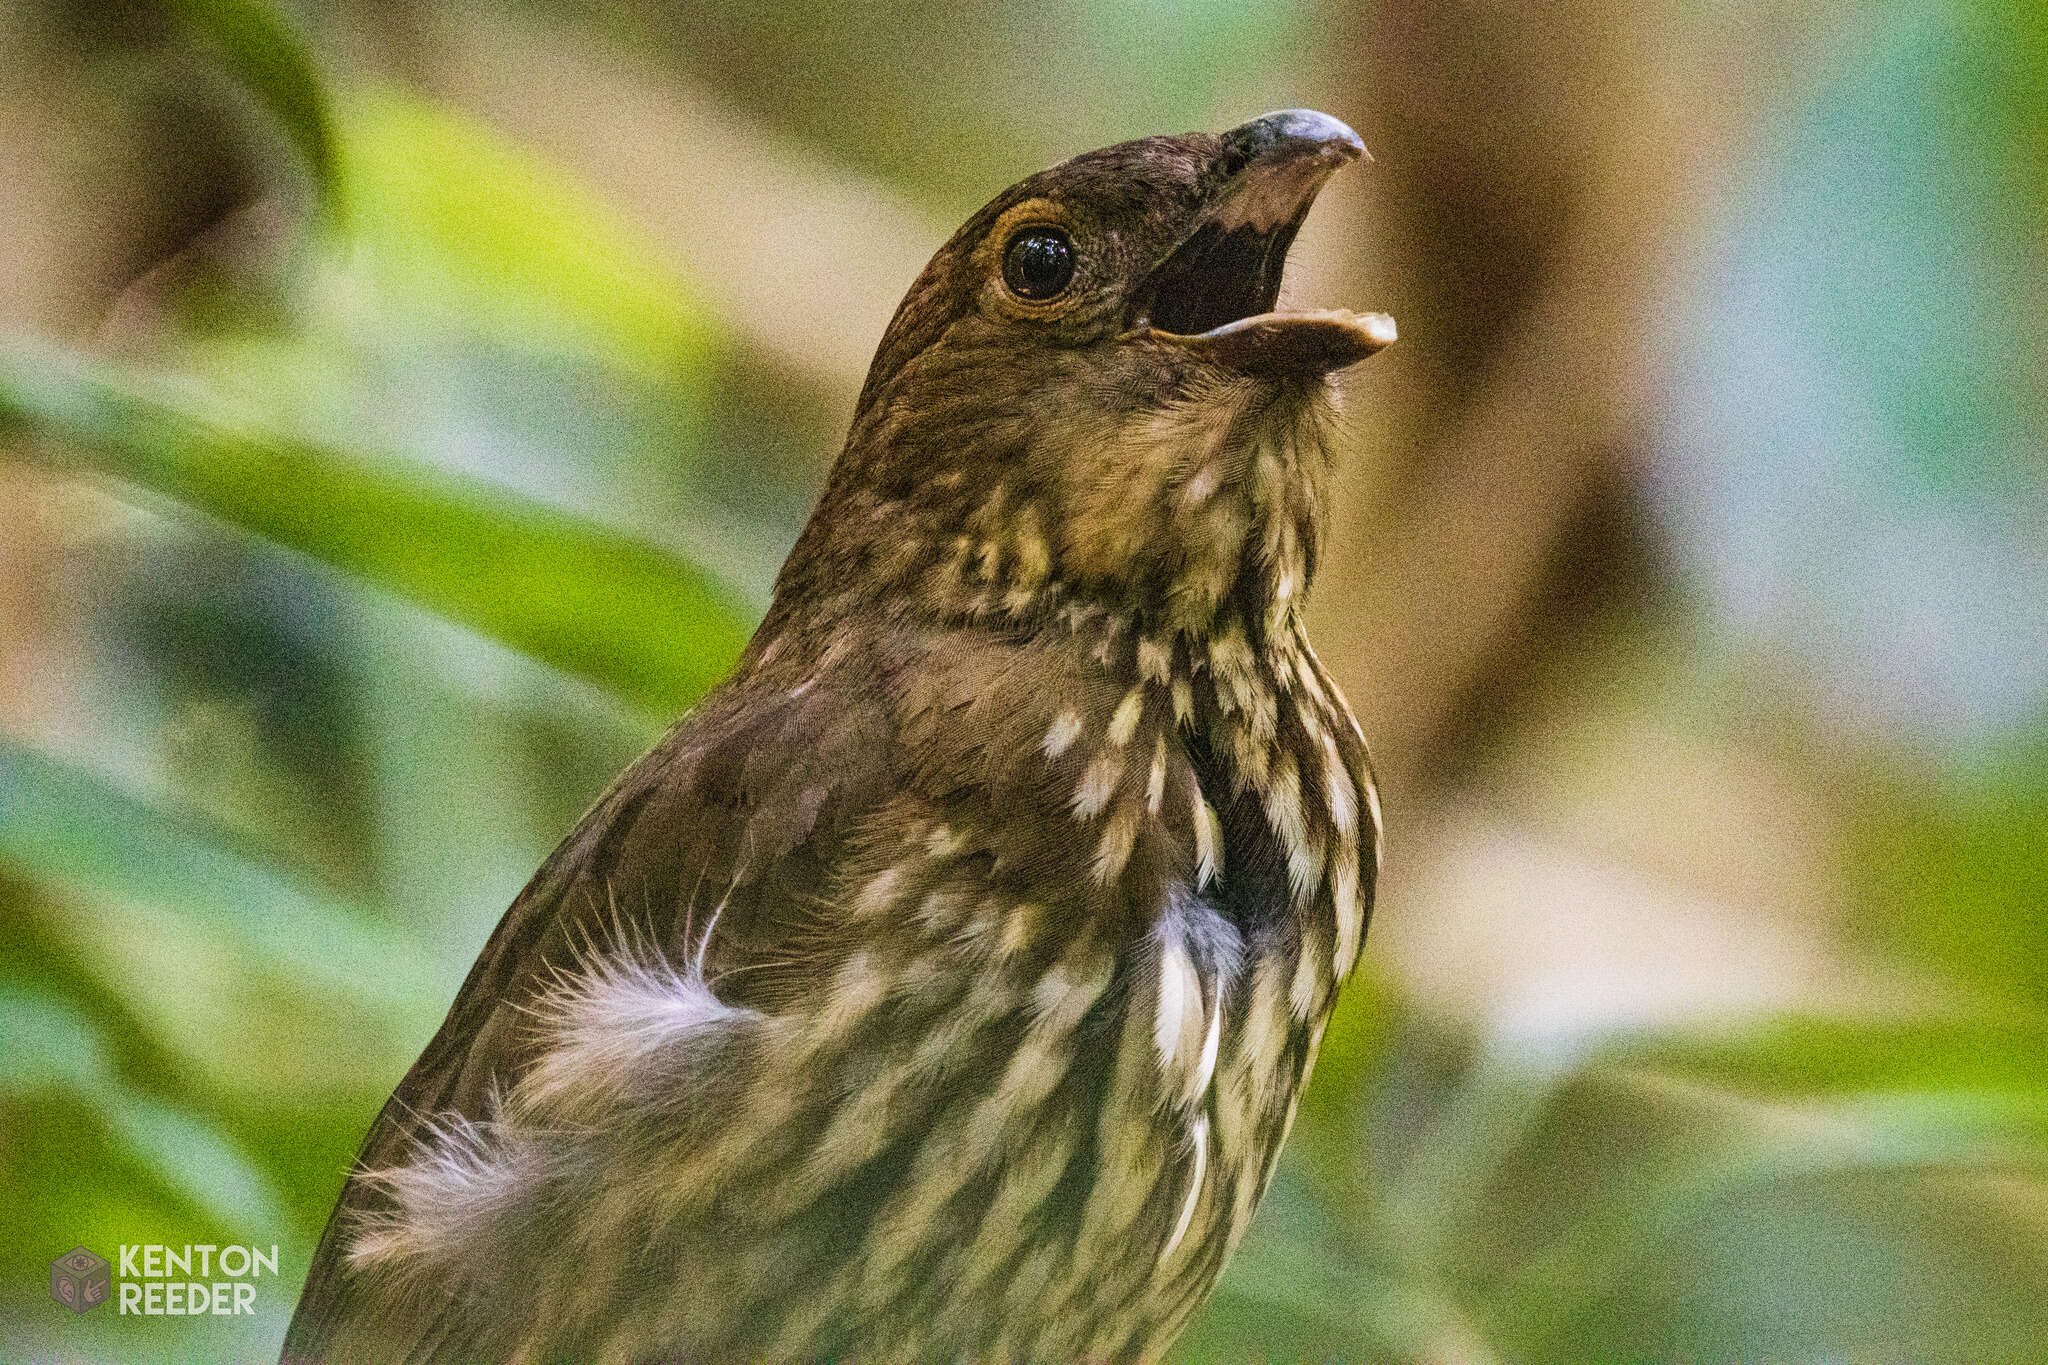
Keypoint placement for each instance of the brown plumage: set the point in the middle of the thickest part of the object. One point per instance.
(944, 985)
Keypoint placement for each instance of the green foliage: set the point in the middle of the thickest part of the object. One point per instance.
(1817, 1187)
(268, 57)
(460, 224)
(197, 1029)
(188, 1156)
(1958, 871)
(648, 625)
(164, 994)
(178, 898)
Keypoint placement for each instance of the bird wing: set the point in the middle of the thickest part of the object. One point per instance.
(705, 857)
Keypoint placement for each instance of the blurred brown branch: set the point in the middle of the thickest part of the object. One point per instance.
(1527, 310)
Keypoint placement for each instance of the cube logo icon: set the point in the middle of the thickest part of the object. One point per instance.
(80, 1280)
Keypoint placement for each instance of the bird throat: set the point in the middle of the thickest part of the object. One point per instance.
(1199, 516)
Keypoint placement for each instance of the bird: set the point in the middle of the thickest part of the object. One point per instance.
(944, 984)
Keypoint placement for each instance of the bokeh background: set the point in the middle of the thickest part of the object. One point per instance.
(404, 408)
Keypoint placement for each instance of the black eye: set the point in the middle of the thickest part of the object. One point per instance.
(1038, 263)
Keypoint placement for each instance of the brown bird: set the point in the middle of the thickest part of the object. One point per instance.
(943, 986)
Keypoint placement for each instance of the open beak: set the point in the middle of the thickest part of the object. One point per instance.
(1215, 293)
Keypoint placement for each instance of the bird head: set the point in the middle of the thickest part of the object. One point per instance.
(1090, 394)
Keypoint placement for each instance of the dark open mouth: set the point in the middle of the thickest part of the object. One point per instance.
(1220, 275)
(1217, 291)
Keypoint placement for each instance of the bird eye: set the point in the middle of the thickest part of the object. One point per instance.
(1038, 263)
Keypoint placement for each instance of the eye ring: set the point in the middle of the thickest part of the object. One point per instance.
(1038, 263)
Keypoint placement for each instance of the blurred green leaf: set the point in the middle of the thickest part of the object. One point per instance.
(60, 823)
(1507, 1206)
(1354, 1041)
(49, 1042)
(450, 217)
(624, 614)
(1740, 1147)
(2002, 104)
(263, 51)
(155, 896)
(1448, 1181)
(1303, 1288)
(195, 1161)
(52, 1043)
(1956, 873)
(1817, 1056)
